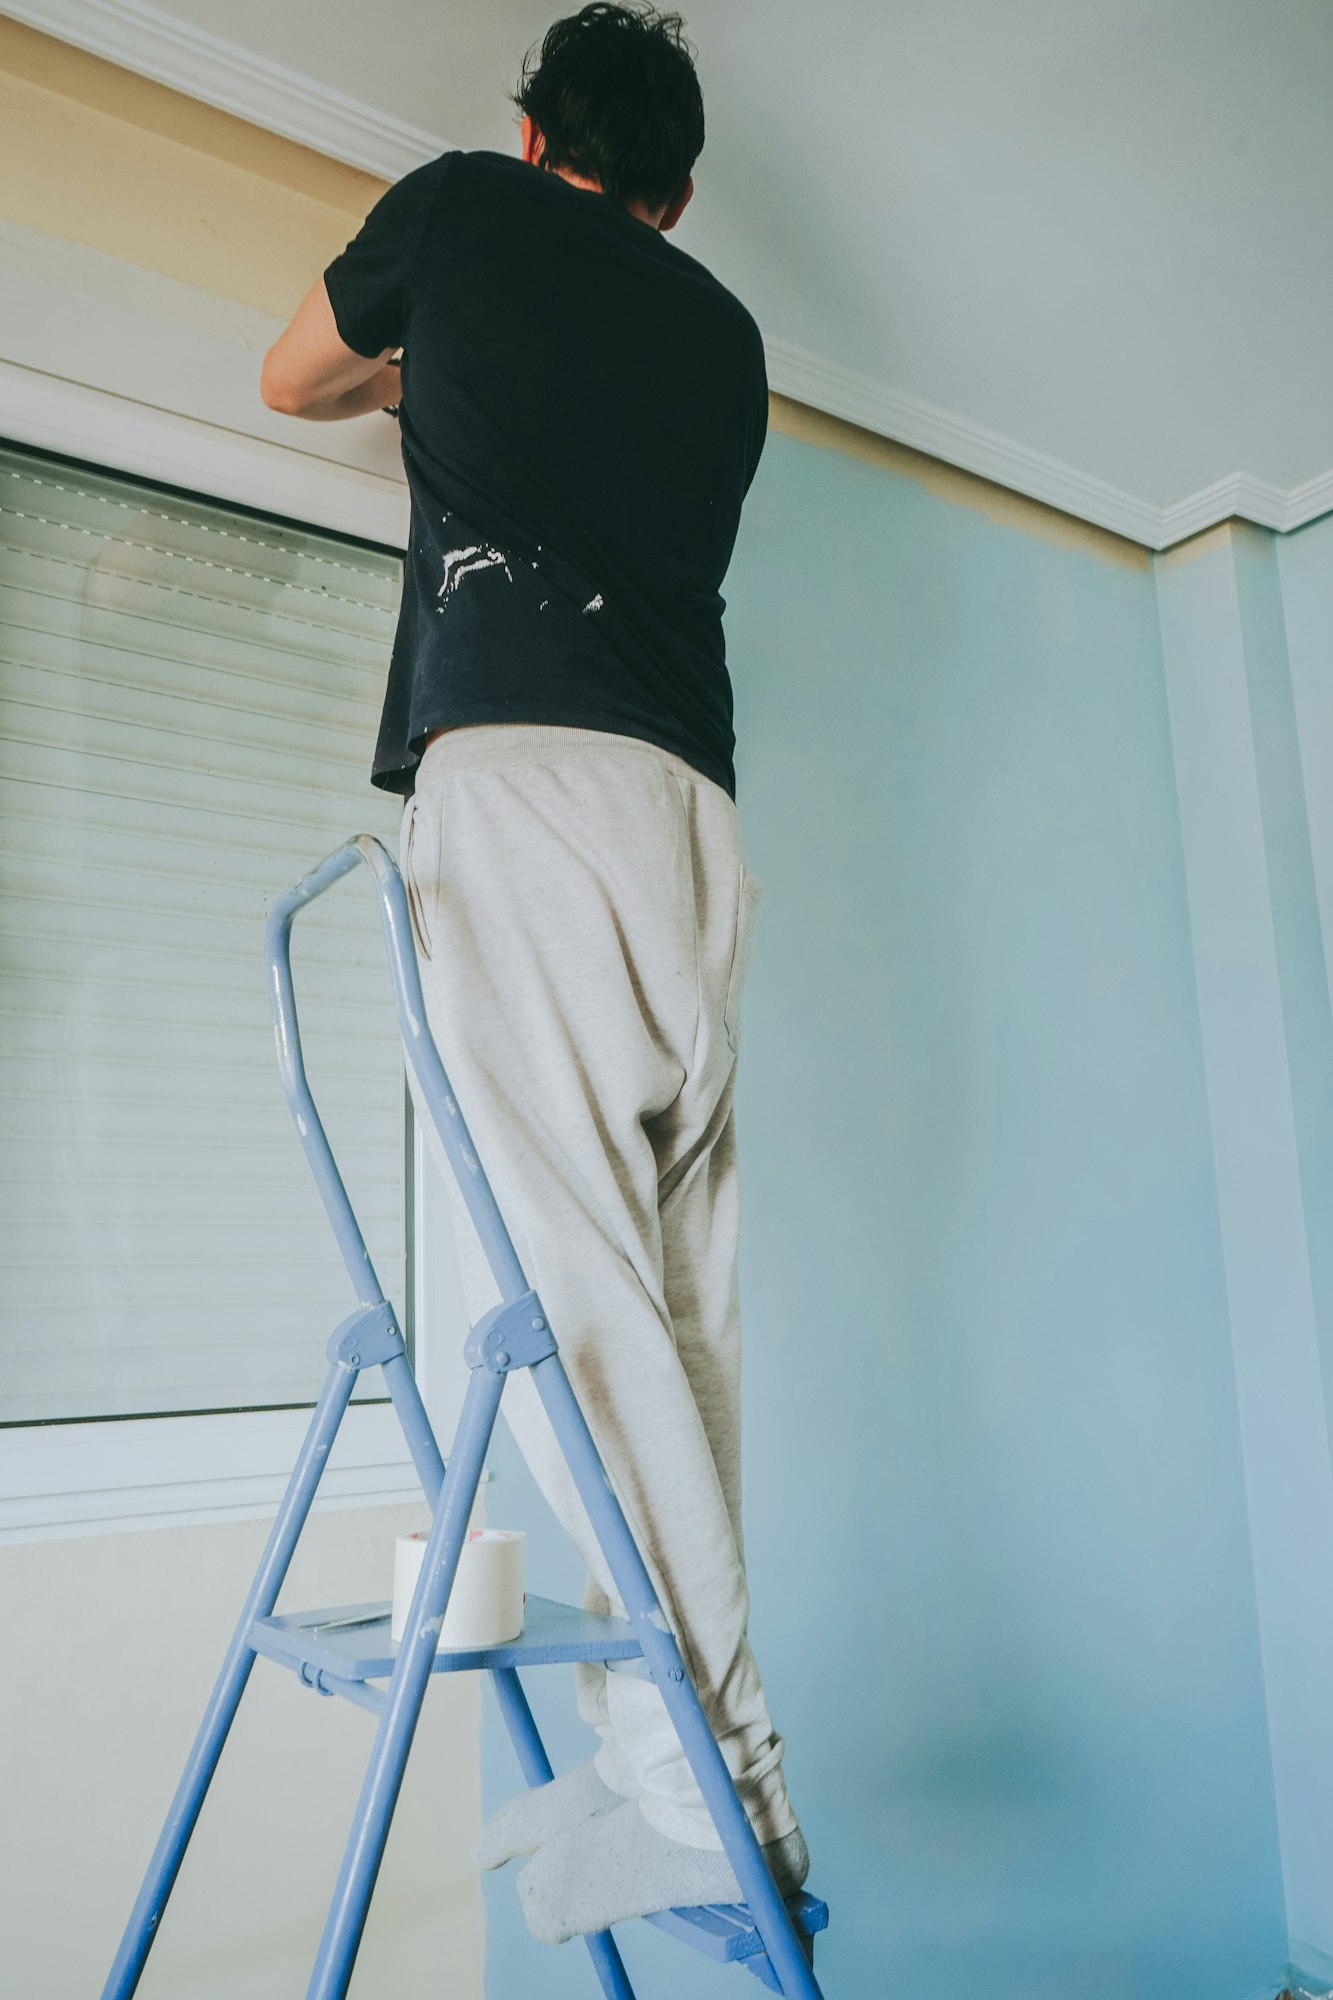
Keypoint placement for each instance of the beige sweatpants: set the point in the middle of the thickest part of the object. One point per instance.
(583, 916)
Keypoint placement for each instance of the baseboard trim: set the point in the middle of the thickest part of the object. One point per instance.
(1309, 1976)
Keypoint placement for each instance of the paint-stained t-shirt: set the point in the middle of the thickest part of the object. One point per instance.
(583, 408)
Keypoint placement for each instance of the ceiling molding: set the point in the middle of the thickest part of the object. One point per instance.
(840, 392)
(1242, 497)
(143, 39)
(808, 378)
(189, 59)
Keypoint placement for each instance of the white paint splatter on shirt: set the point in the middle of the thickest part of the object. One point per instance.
(459, 563)
(594, 603)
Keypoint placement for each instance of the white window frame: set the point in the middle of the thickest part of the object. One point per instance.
(101, 1477)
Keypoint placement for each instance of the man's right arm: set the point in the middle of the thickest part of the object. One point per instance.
(333, 360)
(310, 371)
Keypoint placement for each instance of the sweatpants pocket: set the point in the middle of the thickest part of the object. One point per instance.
(408, 844)
(747, 909)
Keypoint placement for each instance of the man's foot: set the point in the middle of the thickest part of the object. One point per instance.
(524, 1822)
(615, 1866)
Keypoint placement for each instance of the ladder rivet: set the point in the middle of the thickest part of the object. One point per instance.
(678, 1673)
(502, 1359)
(538, 1325)
(354, 1360)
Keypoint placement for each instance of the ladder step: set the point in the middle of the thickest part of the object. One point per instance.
(352, 1642)
(726, 1932)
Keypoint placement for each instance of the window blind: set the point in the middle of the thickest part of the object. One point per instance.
(188, 701)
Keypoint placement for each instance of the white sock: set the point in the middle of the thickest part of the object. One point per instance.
(524, 1822)
(614, 1865)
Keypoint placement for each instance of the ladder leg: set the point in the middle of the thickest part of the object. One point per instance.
(536, 1768)
(220, 1713)
(416, 1655)
(401, 1384)
(771, 1917)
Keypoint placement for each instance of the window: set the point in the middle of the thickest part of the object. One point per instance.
(189, 696)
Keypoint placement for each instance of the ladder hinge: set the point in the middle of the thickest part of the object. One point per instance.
(366, 1338)
(511, 1336)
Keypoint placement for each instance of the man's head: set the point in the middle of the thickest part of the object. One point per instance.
(611, 101)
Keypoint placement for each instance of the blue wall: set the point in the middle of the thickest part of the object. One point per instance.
(995, 1508)
(1247, 626)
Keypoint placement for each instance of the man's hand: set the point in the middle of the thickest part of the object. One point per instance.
(310, 371)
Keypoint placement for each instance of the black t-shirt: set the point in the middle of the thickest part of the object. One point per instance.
(583, 409)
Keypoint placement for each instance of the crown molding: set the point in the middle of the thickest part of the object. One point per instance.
(153, 44)
(1242, 497)
(840, 392)
(189, 59)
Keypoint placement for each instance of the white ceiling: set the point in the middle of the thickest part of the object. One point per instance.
(1085, 246)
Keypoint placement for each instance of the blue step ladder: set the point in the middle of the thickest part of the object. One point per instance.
(348, 1651)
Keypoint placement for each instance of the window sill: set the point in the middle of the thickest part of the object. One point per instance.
(159, 1472)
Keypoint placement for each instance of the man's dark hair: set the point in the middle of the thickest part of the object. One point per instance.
(614, 93)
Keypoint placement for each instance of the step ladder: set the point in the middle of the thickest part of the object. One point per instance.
(348, 1651)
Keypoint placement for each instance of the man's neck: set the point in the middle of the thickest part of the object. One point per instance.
(638, 209)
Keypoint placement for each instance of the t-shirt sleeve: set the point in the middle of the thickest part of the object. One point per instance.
(369, 282)
(757, 429)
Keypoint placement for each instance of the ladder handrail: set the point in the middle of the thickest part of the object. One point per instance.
(421, 1053)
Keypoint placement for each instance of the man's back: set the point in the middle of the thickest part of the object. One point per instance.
(583, 409)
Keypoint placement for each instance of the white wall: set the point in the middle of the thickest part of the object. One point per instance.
(112, 1646)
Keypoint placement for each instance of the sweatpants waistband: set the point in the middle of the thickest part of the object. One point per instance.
(483, 743)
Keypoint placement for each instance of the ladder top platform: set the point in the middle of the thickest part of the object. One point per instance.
(364, 1650)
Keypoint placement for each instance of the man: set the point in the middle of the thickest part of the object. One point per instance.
(582, 409)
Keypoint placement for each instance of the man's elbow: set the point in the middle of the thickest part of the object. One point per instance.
(277, 389)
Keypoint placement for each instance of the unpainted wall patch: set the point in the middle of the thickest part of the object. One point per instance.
(962, 489)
